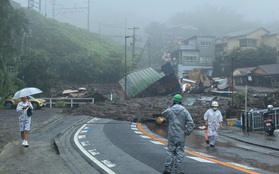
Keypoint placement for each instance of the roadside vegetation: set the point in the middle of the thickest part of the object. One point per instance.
(41, 52)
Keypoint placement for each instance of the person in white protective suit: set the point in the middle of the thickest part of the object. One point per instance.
(213, 120)
(180, 125)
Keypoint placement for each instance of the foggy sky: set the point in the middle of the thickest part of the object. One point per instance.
(108, 14)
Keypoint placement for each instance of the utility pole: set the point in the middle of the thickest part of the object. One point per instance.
(134, 42)
(45, 8)
(232, 67)
(53, 9)
(40, 6)
(149, 59)
(125, 88)
(88, 15)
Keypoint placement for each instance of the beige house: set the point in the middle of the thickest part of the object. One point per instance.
(244, 39)
(272, 39)
(248, 39)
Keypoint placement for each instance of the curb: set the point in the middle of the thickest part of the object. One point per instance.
(56, 139)
(60, 149)
(244, 140)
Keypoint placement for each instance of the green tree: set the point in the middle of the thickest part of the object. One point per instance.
(33, 69)
(12, 26)
(242, 58)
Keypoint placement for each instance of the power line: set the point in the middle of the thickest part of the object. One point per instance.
(62, 10)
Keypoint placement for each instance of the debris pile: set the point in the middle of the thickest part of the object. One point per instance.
(99, 92)
(146, 109)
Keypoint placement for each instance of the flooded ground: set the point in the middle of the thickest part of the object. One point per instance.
(228, 149)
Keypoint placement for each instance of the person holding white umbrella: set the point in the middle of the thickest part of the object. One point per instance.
(24, 109)
(24, 119)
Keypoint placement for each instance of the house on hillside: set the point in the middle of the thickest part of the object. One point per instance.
(262, 75)
(243, 39)
(272, 39)
(247, 39)
(197, 52)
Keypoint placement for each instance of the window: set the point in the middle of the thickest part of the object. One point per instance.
(248, 42)
(208, 44)
(205, 44)
(187, 59)
(205, 59)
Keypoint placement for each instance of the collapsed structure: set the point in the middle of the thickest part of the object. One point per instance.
(148, 82)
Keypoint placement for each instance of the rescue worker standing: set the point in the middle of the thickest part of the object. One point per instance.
(180, 125)
(213, 120)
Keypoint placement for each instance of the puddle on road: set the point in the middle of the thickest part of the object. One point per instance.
(225, 149)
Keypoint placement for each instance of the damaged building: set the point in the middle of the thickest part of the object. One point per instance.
(148, 82)
(262, 75)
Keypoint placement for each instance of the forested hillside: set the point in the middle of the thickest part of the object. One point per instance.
(46, 52)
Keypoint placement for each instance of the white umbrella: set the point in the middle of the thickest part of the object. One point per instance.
(26, 92)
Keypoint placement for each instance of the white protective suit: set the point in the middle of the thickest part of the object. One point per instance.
(180, 125)
(214, 119)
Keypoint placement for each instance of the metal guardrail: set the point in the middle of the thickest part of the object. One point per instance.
(256, 119)
(69, 101)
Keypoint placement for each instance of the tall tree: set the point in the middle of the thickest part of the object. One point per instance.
(12, 25)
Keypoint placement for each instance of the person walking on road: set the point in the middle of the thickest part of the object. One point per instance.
(24, 119)
(213, 120)
(180, 125)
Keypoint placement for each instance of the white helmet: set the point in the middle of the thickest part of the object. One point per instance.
(214, 104)
(269, 107)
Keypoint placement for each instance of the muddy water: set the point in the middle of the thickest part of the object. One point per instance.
(228, 149)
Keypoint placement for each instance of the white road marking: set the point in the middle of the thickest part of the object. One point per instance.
(91, 157)
(133, 128)
(81, 136)
(138, 132)
(144, 136)
(132, 125)
(94, 152)
(157, 142)
(85, 143)
(108, 163)
(92, 120)
(86, 128)
(203, 154)
(240, 165)
(84, 131)
(199, 159)
(166, 148)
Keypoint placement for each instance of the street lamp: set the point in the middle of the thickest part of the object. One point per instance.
(126, 66)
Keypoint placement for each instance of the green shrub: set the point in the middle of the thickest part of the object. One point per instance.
(60, 104)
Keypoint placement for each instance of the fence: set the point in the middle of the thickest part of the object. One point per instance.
(69, 101)
(255, 120)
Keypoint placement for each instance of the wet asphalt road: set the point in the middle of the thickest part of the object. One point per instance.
(123, 150)
(119, 147)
